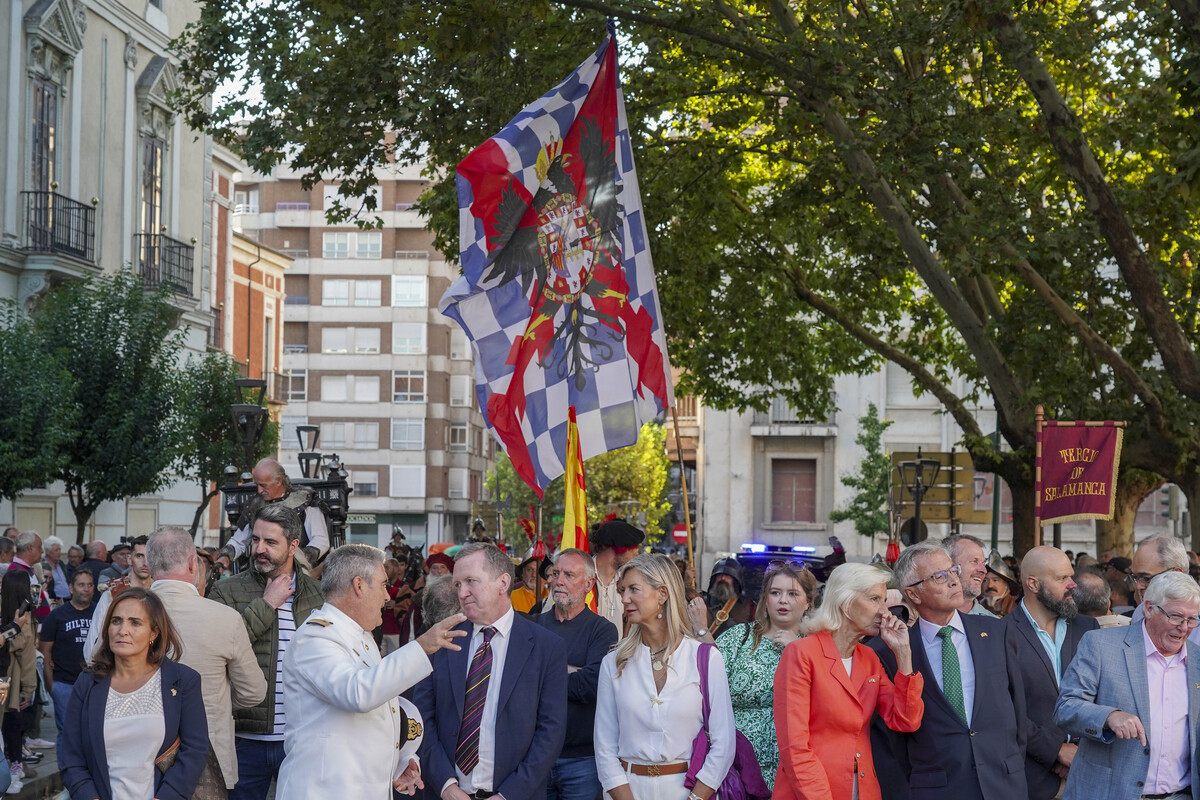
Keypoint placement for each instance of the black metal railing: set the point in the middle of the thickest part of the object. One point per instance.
(163, 261)
(58, 224)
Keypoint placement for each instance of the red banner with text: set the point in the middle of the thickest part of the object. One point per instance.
(1079, 472)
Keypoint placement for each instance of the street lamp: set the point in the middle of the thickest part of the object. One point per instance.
(249, 416)
(917, 476)
(309, 458)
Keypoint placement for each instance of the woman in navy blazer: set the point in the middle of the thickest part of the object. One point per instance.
(135, 642)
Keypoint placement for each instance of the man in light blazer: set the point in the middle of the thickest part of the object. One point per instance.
(1132, 697)
(507, 745)
(1047, 628)
(971, 743)
(215, 643)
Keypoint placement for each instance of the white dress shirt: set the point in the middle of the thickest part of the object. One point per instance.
(641, 725)
(483, 776)
(966, 666)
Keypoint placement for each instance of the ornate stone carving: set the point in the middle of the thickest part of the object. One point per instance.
(33, 284)
(131, 52)
(80, 17)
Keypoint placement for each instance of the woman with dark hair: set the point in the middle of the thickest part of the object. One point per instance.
(752, 650)
(16, 599)
(136, 728)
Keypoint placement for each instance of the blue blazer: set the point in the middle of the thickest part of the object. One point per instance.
(83, 761)
(531, 719)
(944, 758)
(1108, 674)
(1041, 692)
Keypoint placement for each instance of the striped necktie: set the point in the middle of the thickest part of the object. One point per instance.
(952, 673)
(466, 755)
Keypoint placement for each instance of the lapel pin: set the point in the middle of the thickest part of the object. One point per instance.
(1197, 685)
(174, 692)
(983, 634)
(872, 680)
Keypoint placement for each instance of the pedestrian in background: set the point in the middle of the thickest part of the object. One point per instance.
(752, 650)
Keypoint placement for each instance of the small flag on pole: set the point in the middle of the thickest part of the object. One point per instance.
(575, 523)
(557, 295)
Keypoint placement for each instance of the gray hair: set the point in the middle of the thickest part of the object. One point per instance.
(1092, 593)
(6, 545)
(27, 541)
(906, 567)
(498, 563)
(169, 549)
(589, 563)
(846, 584)
(75, 547)
(1170, 551)
(438, 600)
(951, 543)
(346, 563)
(52, 541)
(95, 548)
(286, 518)
(278, 473)
(1172, 586)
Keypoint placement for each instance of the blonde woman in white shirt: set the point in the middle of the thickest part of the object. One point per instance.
(648, 705)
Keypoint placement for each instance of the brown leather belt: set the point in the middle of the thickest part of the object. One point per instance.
(654, 770)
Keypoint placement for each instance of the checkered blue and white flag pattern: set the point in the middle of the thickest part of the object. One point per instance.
(526, 398)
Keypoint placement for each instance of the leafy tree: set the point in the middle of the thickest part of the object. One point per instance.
(868, 509)
(212, 440)
(999, 198)
(637, 473)
(38, 404)
(120, 344)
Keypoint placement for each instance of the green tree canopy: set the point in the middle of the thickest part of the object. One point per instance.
(628, 482)
(120, 344)
(868, 508)
(999, 198)
(208, 392)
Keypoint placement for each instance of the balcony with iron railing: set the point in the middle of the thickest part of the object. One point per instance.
(59, 225)
(782, 419)
(164, 261)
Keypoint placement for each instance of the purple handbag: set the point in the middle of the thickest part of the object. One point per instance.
(744, 781)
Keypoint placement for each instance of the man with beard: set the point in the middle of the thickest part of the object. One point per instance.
(1000, 587)
(275, 487)
(967, 552)
(274, 597)
(1047, 630)
(726, 606)
(587, 637)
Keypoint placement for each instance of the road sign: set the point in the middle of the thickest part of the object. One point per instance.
(679, 533)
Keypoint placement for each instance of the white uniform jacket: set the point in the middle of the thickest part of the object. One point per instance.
(345, 726)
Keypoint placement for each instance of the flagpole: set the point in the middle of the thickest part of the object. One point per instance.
(1039, 415)
(687, 513)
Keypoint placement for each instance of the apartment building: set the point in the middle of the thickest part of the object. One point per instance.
(368, 358)
(96, 172)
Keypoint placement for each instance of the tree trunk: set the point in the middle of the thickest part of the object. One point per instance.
(83, 510)
(1023, 522)
(1118, 532)
(203, 507)
(1190, 486)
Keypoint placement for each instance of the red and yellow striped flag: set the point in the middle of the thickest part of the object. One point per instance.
(575, 523)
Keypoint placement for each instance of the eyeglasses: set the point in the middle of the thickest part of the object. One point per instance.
(1179, 619)
(1142, 579)
(939, 578)
(793, 563)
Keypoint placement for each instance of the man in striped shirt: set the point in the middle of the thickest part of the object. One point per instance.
(274, 596)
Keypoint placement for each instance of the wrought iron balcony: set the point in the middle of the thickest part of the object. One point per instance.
(57, 224)
(163, 261)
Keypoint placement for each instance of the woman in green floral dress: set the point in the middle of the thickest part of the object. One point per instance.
(752, 651)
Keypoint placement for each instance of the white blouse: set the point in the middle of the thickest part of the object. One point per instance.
(636, 723)
(133, 731)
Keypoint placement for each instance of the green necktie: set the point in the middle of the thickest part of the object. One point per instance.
(952, 673)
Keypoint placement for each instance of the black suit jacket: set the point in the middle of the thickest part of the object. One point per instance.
(944, 758)
(1041, 693)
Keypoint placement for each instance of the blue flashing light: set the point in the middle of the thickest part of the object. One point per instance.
(801, 548)
(754, 548)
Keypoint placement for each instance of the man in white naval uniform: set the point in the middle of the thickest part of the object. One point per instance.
(346, 730)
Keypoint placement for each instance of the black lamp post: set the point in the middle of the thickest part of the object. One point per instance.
(309, 458)
(249, 417)
(918, 476)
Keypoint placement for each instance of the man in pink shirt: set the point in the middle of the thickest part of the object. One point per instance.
(1132, 698)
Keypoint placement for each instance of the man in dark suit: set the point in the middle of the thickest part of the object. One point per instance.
(498, 734)
(1047, 632)
(970, 745)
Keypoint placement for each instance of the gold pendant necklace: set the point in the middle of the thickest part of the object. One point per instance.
(656, 658)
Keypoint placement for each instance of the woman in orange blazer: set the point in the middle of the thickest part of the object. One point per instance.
(828, 686)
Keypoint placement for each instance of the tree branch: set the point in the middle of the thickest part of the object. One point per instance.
(1146, 291)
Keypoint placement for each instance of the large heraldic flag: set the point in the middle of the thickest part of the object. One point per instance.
(557, 293)
(1079, 472)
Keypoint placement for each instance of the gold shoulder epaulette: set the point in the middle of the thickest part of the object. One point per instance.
(324, 623)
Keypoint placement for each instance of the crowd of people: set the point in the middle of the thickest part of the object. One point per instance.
(465, 675)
